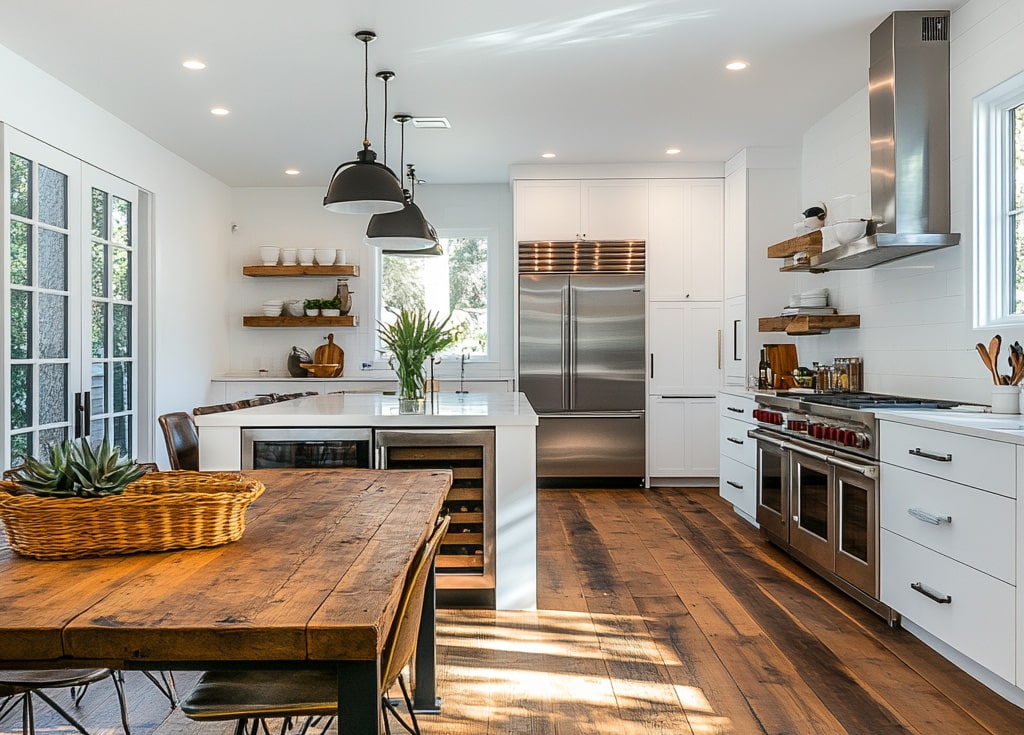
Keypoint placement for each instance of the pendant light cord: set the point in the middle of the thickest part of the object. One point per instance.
(366, 93)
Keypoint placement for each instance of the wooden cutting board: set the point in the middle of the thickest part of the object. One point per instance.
(330, 354)
(784, 361)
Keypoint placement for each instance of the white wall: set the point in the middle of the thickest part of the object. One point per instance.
(295, 217)
(916, 332)
(189, 321)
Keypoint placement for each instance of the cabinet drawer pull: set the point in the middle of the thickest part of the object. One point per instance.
(734, 409)
(929, 455)
(918, 587)
(734, 440)
(734, 484)
(923, 515)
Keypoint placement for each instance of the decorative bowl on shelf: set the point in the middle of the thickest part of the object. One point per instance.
(321, 369)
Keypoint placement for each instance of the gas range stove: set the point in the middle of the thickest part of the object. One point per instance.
(842, 421)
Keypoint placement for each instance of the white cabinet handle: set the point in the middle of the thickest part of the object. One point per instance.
(923, 515)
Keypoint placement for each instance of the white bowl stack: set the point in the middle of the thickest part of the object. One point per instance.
(816, 298)
(273, 307)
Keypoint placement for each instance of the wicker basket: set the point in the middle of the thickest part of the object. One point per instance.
(160, 511)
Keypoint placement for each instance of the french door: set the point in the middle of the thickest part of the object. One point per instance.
(69, 296)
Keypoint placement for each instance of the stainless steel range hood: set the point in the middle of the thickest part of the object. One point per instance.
(908, 98)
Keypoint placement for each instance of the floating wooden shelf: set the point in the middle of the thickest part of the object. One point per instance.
(300, 270)
(808, 324)
(300, 321)
(809, 243)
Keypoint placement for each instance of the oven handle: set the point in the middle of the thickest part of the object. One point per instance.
(868, 470)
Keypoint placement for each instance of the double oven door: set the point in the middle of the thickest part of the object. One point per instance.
(821, 506)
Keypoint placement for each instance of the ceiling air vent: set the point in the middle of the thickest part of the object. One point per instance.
(438, 123)
(934, 28)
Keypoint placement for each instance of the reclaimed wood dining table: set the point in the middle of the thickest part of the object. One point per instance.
(314, 582)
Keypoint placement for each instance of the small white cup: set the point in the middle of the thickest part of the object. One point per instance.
(325, 256)
(342, 258)
(269, 254)
(288, 256)
(1005, 399)
(306, 256)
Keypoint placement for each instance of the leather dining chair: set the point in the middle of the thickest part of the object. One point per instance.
(182, 440)
(257, 695)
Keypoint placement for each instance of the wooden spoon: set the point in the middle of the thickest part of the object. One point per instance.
(988, 362)
(993, 354)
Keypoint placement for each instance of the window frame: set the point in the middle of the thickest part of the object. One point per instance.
(449, 367)
(994, 275)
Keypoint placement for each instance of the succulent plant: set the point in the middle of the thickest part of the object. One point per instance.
(75, 469)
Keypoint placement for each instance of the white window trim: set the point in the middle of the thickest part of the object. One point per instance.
(450, 368)
(993, 278)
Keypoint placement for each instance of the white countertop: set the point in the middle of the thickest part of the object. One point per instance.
(369, 376)
(372, 409)
(1002, 427)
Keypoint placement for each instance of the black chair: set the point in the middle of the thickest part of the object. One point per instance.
(23, 686)
(182, 440)
(261, 694)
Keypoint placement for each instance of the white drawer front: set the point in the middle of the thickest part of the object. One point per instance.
(735, 443)
(740, 408)
(979, 619)
(966, 459)
(737, 483)
(981, 533)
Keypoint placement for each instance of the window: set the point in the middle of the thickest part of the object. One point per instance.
(455, 282)
(999, 205)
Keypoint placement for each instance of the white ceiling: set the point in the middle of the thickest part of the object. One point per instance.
(595, 81)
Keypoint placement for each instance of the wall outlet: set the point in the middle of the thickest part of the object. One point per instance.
(366, 366)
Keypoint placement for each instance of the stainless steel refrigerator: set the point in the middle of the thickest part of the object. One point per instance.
(581, 364)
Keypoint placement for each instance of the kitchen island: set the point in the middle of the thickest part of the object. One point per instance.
(509, 520)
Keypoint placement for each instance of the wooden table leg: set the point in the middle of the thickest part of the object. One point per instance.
(359, 698)
(425, 697)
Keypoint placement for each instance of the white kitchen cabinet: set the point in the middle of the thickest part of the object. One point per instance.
(949, 537)
(682, 437)
(589, 209)
(684, 247)
(761, 192)
(685, 340)
(737, 479)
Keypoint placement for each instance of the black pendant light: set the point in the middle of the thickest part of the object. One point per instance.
(364, 186)
(407, 230)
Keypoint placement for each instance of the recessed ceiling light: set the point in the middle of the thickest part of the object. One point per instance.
(220, 111)
(193, 64)
(737, 65)
(672, 151)
(292, 171)
(547, 155)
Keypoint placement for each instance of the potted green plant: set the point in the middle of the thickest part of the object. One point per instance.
(413, 338)
(312, 307)
(330, 307)
(76, 470)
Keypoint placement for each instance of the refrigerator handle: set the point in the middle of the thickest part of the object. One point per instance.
(652, 366)
(568, 349)
(719, 349)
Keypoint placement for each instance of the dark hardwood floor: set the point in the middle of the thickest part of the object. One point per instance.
(661, 612)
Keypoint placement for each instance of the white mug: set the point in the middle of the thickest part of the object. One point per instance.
(342, 258)
(269, 254)
(288, 256)
(306, 256)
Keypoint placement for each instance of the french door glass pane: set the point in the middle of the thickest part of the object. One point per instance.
(21, 252)
(20, 446)
(121, 274)
(50, 436)
(21, 186)
(53, 259)
(122, 330)
(53, 392)
(99, 213)
(99, 329)
(98, 389)
(121, 222)
(20, 324)
(99, 269)
(21, 396)
(122, 434)
(53, 326)
(53, 197)
(121, 386)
